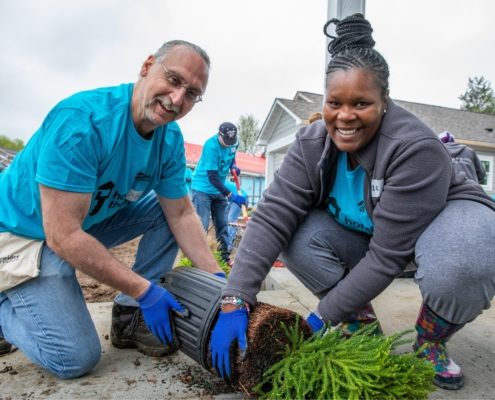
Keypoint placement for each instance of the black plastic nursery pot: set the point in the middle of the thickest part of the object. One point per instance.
(200, 292)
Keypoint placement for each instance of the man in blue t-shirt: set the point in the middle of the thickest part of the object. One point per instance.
(210, 196)
(106, 166)
(233, 213)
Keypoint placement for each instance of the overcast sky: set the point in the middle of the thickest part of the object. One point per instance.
(260, 50)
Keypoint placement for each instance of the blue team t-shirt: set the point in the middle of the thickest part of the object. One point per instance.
(88, 143)
(214, 157)
(346, 199)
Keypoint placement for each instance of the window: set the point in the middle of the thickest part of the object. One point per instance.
(487, 162)
(254, 187)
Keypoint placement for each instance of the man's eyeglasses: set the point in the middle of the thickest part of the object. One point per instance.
(192, 95)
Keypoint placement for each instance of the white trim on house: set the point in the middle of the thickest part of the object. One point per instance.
(487, 162)
(279, 107)
(297, 120)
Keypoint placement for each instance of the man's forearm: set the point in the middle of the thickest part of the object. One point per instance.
(191, 238)
(215, 180)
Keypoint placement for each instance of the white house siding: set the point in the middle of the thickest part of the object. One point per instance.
(273, 161)
(285, 124)
(282, 137)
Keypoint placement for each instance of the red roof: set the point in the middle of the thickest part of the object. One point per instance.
(193, 152)
(246, 162)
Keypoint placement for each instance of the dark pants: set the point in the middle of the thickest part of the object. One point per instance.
(214, 205)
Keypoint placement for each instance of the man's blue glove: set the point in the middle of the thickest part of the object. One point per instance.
(221, 275)
(230, 326)
(238, 199)
(156, 304)
(315, 323)
(235, 169)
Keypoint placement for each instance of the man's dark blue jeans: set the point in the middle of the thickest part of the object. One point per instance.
(214, 206)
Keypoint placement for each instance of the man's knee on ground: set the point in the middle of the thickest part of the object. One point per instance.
(76, 363)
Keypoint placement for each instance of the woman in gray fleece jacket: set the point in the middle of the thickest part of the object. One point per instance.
(358, 196)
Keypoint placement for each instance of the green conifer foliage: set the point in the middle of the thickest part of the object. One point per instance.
(186, 262)
(363, 366)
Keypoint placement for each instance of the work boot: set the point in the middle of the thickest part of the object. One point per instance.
(433, 334)
(5, 347)
(129, 331)
(360, 319)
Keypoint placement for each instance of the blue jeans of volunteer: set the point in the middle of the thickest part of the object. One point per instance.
(47, 317)
(214, 206)
(455, 257)
(233, 215)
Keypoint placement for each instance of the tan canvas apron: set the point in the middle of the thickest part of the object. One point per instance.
(19, 259)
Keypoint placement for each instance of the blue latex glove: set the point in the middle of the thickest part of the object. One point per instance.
(230, 326)
(236, 169)
(238, 199)
(315, 323)
(156, 304)
(221, 275)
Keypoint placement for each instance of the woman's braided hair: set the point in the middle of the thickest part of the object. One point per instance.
(352, 48)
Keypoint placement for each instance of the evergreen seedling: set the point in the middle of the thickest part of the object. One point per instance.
(331, 366)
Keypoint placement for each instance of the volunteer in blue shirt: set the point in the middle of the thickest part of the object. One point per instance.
(105, 166)
(359, 195)
(210, 196)
(233, 213)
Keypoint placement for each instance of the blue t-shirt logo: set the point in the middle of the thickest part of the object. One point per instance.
(346, 199)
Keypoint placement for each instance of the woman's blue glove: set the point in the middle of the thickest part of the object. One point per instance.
(235, 169)
(230, 326)
(238, 199)
(221, 275)
(315, 323)
(156, 304)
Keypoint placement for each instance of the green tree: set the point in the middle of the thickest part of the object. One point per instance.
(248, 133)
(7, 143)
(479, 96)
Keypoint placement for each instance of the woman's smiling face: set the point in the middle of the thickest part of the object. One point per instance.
(353, 109)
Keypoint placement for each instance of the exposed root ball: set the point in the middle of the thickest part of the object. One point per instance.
(266, 342)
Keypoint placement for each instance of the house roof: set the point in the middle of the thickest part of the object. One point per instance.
(9, 151)
(6, 157)
(300, 108)
(246, 162)
(304, 104)
(193, 153)
(464, 125)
